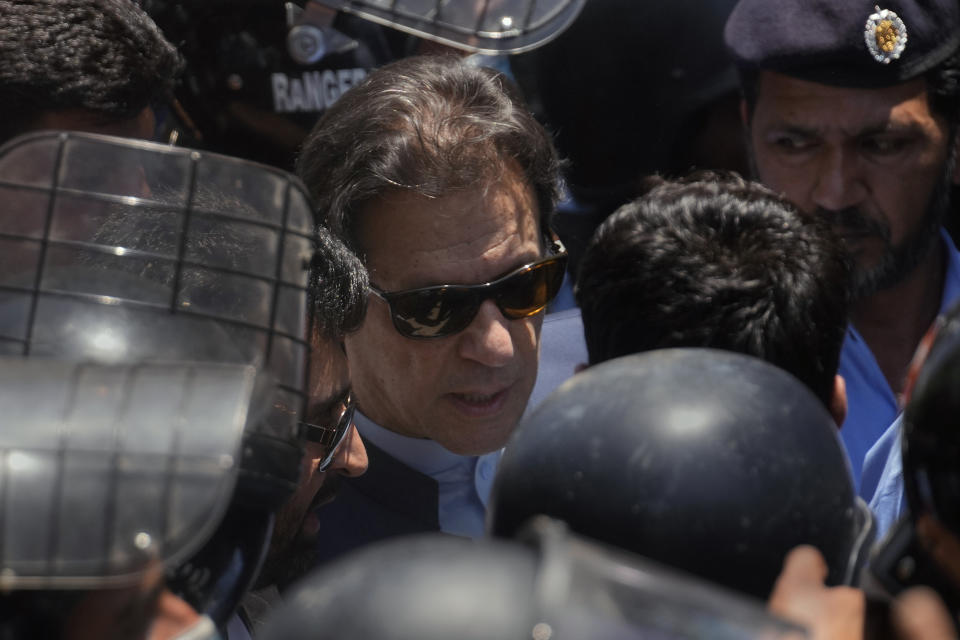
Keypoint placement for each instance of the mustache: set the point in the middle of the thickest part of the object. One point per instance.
(328, 490)
(851, 221)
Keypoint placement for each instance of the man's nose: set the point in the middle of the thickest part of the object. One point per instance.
(351, 458)
(839, 181)
(487, 339)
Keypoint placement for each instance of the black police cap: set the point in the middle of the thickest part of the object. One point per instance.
(844, 43)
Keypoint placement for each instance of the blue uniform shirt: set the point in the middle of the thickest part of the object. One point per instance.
(872, 406)
(880, 469)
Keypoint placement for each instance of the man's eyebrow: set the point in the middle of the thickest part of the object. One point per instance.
(792, 129)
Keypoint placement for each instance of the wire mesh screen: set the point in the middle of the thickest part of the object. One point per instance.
(487, 26)
(115, 250)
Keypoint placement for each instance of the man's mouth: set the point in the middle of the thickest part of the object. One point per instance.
(480, 405)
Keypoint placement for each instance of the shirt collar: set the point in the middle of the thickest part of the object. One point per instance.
(422, 454)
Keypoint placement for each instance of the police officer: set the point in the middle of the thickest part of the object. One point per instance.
(852, 111)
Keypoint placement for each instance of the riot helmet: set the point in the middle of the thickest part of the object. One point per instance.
(260, 73)
(122, 251)
(551, 585)
(710, 461)
(487, 26)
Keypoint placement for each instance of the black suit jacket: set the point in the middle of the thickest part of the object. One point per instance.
(389, 500)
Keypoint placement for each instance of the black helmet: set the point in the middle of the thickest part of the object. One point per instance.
(493, 26)
(118, 251)
(924, 546)
(710, 461)
(259, 73)
(550, 586)
(931, 438)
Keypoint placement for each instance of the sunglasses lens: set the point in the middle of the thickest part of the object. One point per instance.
(529, 292)
(433, 312)
(444, 310)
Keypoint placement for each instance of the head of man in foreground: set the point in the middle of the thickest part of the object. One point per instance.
(436, 174)
(338, 290)
(716, 261)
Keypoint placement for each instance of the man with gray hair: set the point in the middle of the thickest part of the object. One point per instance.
(437, 175)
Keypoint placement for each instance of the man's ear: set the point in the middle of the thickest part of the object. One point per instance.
(838, 401)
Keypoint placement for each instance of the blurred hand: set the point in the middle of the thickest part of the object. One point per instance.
(919, 614)
(800, 596)
(838, 613)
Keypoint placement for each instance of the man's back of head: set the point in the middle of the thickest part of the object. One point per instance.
(90, 63)
(716, 261)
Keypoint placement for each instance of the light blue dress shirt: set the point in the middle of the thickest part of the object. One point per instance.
(464, 482)
(871, 404)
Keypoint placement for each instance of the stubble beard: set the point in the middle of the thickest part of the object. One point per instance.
(898, 261)
(293, 553)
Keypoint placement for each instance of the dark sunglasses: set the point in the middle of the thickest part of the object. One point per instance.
(445, 309)
(330, 436)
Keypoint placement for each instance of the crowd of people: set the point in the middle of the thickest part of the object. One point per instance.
(486, 349)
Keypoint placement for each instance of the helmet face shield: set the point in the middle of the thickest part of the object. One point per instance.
(549, 585)
(117, 250)
(108, 469)
(482, 26)
(587, 590)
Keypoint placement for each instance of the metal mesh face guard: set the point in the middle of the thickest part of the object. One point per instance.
(482, 26)
(105, 469)
(114, 250)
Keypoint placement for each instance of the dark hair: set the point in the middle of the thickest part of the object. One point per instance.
(429, 124)
(716, 261)
(338, 287)
(943, 89)
(104, 56)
